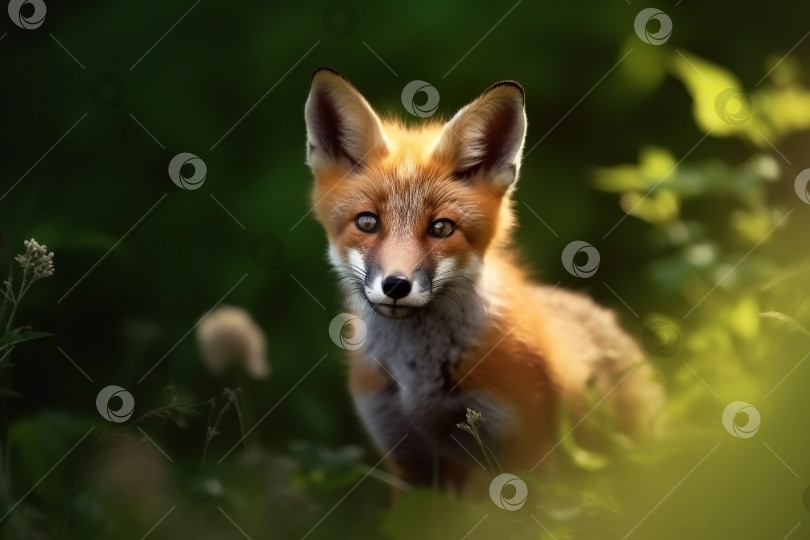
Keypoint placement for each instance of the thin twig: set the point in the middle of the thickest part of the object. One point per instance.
(4, 247)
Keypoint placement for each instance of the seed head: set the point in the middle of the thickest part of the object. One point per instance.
(36, 261)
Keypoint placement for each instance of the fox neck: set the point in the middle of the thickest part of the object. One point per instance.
(420, 351)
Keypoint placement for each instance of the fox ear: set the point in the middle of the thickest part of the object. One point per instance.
(341, 125)
(487, 136)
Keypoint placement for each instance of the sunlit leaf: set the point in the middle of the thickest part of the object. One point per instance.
(784, 111)
(753, 225)
(658, 207)
(719, 102)
(655, 167)
(743, 317)
(721, 105)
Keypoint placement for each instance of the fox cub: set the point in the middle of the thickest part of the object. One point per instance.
(419, 220)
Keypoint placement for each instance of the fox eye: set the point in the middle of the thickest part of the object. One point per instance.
(367, 222)
(442, 228)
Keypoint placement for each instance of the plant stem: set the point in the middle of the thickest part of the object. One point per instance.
(11, 317)
(213, 431)
(245, 413)
(7, 297)
(15, 302)
(7, 294)
(241, 425)
(483, 450)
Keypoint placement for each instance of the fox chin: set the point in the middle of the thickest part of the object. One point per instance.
(419, 222)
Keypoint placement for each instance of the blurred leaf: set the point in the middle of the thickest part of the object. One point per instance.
(719, 103)
(313, 456)
(753, 225)
(655, 165)
(328, 469)
(789, 322)
(657, 208)
(783, 110)
(20, 335)
(599, 424)
(37, 442)
(582, 458)
(645, 69)
(783, 70)
(743, 317)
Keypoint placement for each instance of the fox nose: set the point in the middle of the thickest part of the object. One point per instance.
(396, 287)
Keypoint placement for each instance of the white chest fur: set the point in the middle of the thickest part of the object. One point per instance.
(420, 352)
(424, 403)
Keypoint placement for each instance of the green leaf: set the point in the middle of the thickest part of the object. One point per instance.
(655, 166)
(580, 457)
(21, 335)
(39, 440)
(720, 105)
(723, 108)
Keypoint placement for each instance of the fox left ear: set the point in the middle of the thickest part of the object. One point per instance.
(342, 128)
(486, 137)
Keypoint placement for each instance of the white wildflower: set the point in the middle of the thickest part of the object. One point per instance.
(36, 261)
(228, 337)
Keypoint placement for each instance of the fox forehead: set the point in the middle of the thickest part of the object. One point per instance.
(412, 143)
(407, 195)
(408, 180)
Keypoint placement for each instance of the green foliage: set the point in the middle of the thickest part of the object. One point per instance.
(723, 108)
(685, 147)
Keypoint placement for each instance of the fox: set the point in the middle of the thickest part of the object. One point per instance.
(419, 221)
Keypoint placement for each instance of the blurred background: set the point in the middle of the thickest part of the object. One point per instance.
(672, 140)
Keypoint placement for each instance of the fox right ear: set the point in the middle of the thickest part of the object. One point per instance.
(486, 137)
(342, 128)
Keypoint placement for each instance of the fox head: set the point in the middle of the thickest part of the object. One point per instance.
(411, 212)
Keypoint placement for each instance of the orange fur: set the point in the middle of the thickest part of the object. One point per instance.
(512, 347)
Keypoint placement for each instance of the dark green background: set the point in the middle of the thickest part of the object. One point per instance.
(205, 75)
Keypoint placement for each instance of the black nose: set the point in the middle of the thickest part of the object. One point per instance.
(396, 287)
